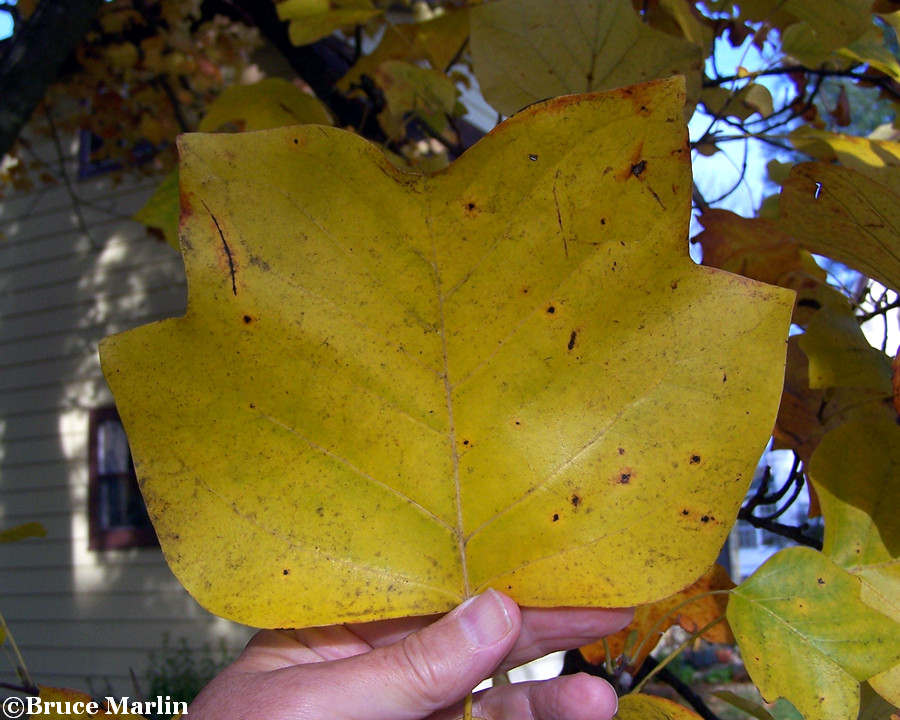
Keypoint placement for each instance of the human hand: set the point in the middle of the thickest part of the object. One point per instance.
(415, 668)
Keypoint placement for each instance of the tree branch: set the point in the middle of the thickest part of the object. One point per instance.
(33, 58)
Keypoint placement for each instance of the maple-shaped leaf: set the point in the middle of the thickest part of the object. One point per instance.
(392, 391)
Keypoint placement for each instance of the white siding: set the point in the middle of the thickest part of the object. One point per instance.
(81, 618)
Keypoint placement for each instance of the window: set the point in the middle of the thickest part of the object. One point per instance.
(117, 514)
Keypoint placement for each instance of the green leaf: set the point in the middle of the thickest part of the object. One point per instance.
(268, 103)
(392, 391)
(806, 635)
(827, 26)
(160, 212)
(744, 704)
(845, 215)
(20, 532)
(528, 50)
(856, 472)
(311, 20)
(438, 41)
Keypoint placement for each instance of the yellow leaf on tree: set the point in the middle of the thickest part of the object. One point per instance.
(805, 634)
(529, 50)
(311, 20)
(878, 159)
(845, 215)
(856, 471)
(392, 391)
(684, 608)
(438, 41)
(650, 707)
(268, 103)
(839, 353)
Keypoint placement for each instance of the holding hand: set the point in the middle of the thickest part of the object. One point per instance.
(415, 668)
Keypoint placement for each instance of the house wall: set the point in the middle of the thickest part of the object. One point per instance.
(72, 272)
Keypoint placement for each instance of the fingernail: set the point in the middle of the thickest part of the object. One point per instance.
(484, 618)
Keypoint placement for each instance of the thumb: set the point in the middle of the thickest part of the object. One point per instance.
(430, 669)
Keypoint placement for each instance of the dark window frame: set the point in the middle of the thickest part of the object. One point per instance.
(113, 538)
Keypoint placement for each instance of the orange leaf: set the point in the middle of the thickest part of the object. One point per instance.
(692, 609)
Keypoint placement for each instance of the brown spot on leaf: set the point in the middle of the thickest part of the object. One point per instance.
(470, 208)
(551, 310)
(623, 477)
(285, 572)
(248, 319)
(575, 500)
(621, 451)
(695, 459)
(638, 168)
(572, 338)
(555, 517)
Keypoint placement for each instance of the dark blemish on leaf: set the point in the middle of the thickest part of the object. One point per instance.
(555, 517)
(810, 303)
(532, 157)
(551, 310)
(559, 218)
(685, 512)
(695, 459)
(724, 377)
(638, 168)
(575, 500)
(465, 442)
(621, 451)
(603, 221)
(525, 290)
(572, 339)
(821, 581)
(248, 319)
(285, 572)
(296, 141)
(320, 511)
(253, 406)
(624, 478)
(227, 249)
(704, 519)
(674, 285)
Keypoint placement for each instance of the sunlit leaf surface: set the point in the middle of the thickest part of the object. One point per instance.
(392, 391)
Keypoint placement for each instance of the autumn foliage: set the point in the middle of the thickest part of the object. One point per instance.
(500, 353)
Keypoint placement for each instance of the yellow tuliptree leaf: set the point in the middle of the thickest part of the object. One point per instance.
(392, 391)
(311, 20)
(845, 215)
(856, 471)
(650, 707)
(268, 103)
(878, 159)
(806, 634)
(692, 608)
(528, 50)
(409, 88)
(439, 41)
(881, 590)
(839, 353)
